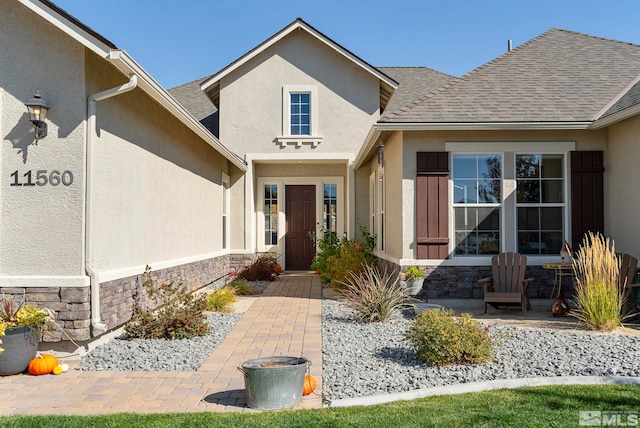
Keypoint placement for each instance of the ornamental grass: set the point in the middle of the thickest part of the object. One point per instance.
(374, 296)
(598, 298)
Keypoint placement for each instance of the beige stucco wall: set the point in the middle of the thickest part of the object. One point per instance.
(251, 98)
(158, 187)
(622, 198)
(42, 226)
(417, 141)
(393, 184)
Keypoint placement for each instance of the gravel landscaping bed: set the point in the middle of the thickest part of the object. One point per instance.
(367, 359)
(122, 354)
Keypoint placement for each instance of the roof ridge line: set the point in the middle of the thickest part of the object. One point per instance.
(616, 98)
(606, 39)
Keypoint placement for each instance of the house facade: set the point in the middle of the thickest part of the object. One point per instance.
(125, 178)
(298, 136)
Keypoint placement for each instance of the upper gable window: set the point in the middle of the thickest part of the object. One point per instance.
(299, 116)
(300, 106)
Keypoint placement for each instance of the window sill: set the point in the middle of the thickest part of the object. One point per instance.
(299, 140)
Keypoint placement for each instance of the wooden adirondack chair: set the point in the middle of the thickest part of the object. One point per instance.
(626, 282)
(508, 285)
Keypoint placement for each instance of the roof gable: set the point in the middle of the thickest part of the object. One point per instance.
(212, 84)
(559, 76)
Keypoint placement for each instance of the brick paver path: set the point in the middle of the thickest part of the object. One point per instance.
(284, 320)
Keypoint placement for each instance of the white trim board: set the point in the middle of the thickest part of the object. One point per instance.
(44, 281)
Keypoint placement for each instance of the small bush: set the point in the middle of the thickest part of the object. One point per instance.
(598, 299)
(372, 295)
(337, 258)
(439, 339)
(179, 317)
(221, 300)
(265, 267)
(242, 287)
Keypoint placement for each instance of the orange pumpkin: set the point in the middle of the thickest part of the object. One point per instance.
(42, 364)
(309, 385)
(277, 269)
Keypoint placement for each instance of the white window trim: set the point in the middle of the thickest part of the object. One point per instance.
(566, 221)
(281, 182)
(453, 205)
(285, 139)
(516, 148)
(381, 201)
(226, 210)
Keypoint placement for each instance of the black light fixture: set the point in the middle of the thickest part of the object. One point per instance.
(37, 112)
(381, 154)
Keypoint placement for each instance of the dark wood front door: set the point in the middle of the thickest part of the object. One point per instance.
(300, 211)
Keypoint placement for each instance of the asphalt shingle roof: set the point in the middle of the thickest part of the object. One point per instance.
(558, 76)
(629, 99)
(414, 82)
(198, 104)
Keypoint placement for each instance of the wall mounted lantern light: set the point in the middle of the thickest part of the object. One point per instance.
(381, 154)
(37, 112)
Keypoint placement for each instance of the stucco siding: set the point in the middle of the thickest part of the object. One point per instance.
(251, 98)
(393, 160)
(158, 193)
(621, 192)
(42, 226)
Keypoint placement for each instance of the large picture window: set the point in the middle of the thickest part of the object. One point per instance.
(477, 201)
(540, 203)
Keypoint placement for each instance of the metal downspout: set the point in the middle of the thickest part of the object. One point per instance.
(96, 321)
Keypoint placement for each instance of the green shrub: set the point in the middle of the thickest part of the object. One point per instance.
(598, 299)
(327, 247)
(264, 267)
(221, 300)
(439, 338)
(179, 317)
(337, 258)
(413, 272)
(372, 295)
(242, 287)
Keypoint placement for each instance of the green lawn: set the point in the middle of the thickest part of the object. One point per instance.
(549, 406)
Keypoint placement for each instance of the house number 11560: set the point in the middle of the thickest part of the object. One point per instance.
(42, 177)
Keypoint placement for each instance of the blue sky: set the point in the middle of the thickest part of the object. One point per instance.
(178, 41)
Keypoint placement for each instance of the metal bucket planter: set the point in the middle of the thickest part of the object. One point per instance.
(413, 287)
(274, 383)
(20, 347)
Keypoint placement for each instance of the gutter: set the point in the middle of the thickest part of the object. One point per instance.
(96, 321)
(148, 84)
(379, 127)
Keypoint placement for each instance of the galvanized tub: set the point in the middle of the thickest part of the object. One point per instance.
(274, 383)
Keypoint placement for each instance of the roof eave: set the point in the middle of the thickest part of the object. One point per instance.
(128, 65)
(378, 128)
(367, 146)
(480, 126)
(70, 26)
(617, 117)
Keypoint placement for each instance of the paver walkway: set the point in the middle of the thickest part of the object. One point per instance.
(284, 320)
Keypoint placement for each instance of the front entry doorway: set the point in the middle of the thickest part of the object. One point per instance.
(300, 212)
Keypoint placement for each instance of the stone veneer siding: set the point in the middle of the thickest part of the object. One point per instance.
(461, 282)
(72, 305)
